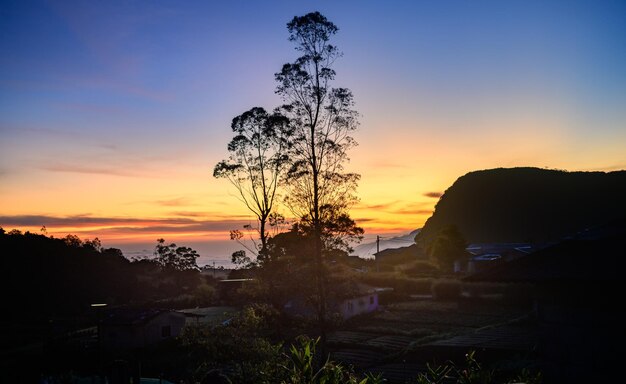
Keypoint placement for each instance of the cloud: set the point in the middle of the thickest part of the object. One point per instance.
(380, 206)
(112, 229)
(72, 168)
(413, 211)
(176, 202)
(213, 215)
(434, 195)
(84, 220)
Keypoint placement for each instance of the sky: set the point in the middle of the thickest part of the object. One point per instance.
(114, 113)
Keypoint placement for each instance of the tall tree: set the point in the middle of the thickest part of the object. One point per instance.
(322, 118)
(257, 160)
(448, 247)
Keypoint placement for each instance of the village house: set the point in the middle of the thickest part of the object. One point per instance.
(138, 328)
(356, 300)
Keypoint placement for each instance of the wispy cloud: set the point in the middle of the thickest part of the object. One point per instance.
(379, 206)
(608, 168)
(90, 169)
(175, 202)
(434, 195)
(212, 215)
(85, 219)
(120, 225)
(413, 211)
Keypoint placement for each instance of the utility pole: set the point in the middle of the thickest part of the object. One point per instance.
(377, 250)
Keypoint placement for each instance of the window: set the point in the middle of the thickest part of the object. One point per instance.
(166, 331)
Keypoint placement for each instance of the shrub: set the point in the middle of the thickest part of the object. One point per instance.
(413, 286)
(205, 295)
(422, 268)
(478, 290)
(302, 368)
(519, 294)
(446, 289)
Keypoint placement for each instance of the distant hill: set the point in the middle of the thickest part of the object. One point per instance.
(367, 250)
(527, 204)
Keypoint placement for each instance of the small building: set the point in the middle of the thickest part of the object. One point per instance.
(138, 328)
(357, 299)
(363, 302)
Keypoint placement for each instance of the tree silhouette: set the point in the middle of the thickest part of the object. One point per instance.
(322, 118)
(448, 247)
(302, 145)
(256, 162)
(177, 258)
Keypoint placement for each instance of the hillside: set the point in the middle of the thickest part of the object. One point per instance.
(527, 204)
(368, 250)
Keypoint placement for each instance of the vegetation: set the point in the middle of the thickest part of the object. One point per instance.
(446, 289)
(472, 372)
(302, 148)
(63, 277)
(177, 258)
(258, 157)
(447, 248)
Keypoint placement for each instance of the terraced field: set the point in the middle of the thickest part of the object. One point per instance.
(389, 340)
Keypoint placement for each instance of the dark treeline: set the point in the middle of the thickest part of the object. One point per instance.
(46, 277)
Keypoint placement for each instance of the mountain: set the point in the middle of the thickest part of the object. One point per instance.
(367, 250)
(527, 204)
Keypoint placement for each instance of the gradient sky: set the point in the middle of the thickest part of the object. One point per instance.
(113, 113)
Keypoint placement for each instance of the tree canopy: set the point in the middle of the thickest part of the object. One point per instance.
(177, 258)
(256, 162)
(302, 149)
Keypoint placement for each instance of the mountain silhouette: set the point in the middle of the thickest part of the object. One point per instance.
(527, 205)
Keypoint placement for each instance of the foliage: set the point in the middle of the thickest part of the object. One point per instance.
(421, 268)
(301, 367)
(255, 166)
(448, 247)
(177, 258)
(61, 276)
(308, 137)
(205, 295)
(399, 282)
(446, 289)
(472, 372)
(320, 191)
(240, 349)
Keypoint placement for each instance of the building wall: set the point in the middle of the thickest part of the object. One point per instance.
(159, 328)
(358, 305)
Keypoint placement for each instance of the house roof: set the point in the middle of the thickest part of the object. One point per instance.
(131, 316)
(595, 259)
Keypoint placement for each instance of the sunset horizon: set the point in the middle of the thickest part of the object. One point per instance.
(113, 115)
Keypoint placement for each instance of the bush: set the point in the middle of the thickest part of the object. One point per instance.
(518, 294)
(413, 286)
(446, 289)
(422, 268)
(402, 285)
(477, 290)
(302, 367)
(205, 295)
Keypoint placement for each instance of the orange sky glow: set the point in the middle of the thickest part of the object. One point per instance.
(113, 114)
